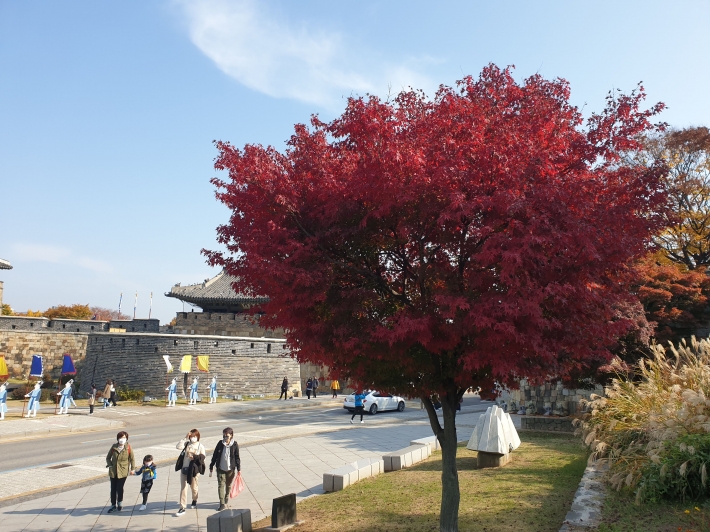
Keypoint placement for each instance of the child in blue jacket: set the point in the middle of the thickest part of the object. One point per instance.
(149, 474)
(359, 409)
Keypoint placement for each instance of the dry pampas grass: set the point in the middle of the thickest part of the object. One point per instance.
(648, 415)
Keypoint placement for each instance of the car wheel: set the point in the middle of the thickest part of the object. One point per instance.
(373, 409)
(400, 406)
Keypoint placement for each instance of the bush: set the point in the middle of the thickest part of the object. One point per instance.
(129, 394)
(652, 427)
(21, 391)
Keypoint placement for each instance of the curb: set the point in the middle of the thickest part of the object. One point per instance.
(586, 510)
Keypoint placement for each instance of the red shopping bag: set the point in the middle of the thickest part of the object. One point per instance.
(237, 486)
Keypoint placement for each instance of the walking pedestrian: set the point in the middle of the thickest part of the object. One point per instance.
(309, 387)
(92, 398)
(315, 387)
(113, 394)
(148, 473)
(106, 394)
(335, 386)
(226, 457)
(190, 463)
(359, 409)
(284, 389)
(120, 463)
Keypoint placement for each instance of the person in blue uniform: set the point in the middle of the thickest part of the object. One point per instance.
(213, 390)
(34, 396)
(172, 393)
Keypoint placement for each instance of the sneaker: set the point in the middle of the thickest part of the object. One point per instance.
(111, 510)
(222, 507)
(180, 512)
(351, 421)
(362, 421)
(194, 503)
(142, 507)
(119, 508)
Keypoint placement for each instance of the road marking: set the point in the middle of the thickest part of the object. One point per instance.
(111, 439)
(219, 421)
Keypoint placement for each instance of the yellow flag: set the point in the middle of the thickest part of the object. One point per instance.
(203, 362)
(3, 368)
(186, 363)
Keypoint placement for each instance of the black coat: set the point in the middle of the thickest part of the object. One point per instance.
(234, 461)
(197, 466)
(284, 385)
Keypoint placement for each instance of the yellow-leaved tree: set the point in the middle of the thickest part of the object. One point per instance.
(686, 239)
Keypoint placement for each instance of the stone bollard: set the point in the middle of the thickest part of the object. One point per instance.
(230, 521)
(283, 513)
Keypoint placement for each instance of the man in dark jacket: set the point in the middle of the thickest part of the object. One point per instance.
(284, 389)
(226, 458)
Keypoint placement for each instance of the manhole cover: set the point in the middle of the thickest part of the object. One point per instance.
(60, 466)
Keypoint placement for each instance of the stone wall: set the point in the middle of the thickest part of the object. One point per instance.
(546, 424)
(242, 365)
(322, 374)
(18, 346)
(63, 325)
(137, 325)
(22, 323)
(560, 400)
(222, 324)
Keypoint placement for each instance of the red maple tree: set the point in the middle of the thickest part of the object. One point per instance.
(427, 246)
(674, 298)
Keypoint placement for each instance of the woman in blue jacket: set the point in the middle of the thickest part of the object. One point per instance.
(359, 409)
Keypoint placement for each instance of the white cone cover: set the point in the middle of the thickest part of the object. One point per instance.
(494, 433)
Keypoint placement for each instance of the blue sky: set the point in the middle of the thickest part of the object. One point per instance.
(108, 110)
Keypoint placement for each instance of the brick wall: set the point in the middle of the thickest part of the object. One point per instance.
(242, 365)
(222, 324)
(22, 323)
(18, 346)
(560, 400)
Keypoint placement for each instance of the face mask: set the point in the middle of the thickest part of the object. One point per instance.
(227, 439)
(193, 439)
(122, 441)
(147, 464)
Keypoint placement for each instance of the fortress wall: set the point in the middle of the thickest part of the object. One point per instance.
(18, 346)
(222, 324)
(242, 365)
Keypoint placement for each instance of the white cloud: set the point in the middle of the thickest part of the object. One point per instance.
(284, 60)
(58, 255)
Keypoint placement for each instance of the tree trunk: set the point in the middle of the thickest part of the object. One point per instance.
(450, 495)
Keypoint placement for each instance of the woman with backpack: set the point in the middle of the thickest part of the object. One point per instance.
(309, 387)
(120, 462)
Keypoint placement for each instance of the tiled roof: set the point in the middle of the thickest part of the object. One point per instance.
(5, 265)
(217, 290)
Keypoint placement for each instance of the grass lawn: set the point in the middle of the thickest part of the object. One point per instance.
(532, 493)
(621, 514)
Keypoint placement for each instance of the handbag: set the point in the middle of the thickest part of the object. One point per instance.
(237, 486)
(181, 459)
(185, 470)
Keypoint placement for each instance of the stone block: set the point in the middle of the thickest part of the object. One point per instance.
(432, 442)
(230, 521)
(405, 457)
(283, 511)
(492, 459)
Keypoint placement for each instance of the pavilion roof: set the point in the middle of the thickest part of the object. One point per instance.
(214, 294)
(5, 265)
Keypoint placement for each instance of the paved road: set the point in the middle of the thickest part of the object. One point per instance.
(154, 426)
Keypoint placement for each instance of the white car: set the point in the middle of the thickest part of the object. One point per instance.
(375, 402)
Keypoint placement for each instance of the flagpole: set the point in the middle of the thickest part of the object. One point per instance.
(135, 304)
(150, 310)
(25, 401)
(120, 299)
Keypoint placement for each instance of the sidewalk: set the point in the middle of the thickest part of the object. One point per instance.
(294, 465)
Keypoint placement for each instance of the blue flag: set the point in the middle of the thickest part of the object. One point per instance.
(37, 369)
(68, 366)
